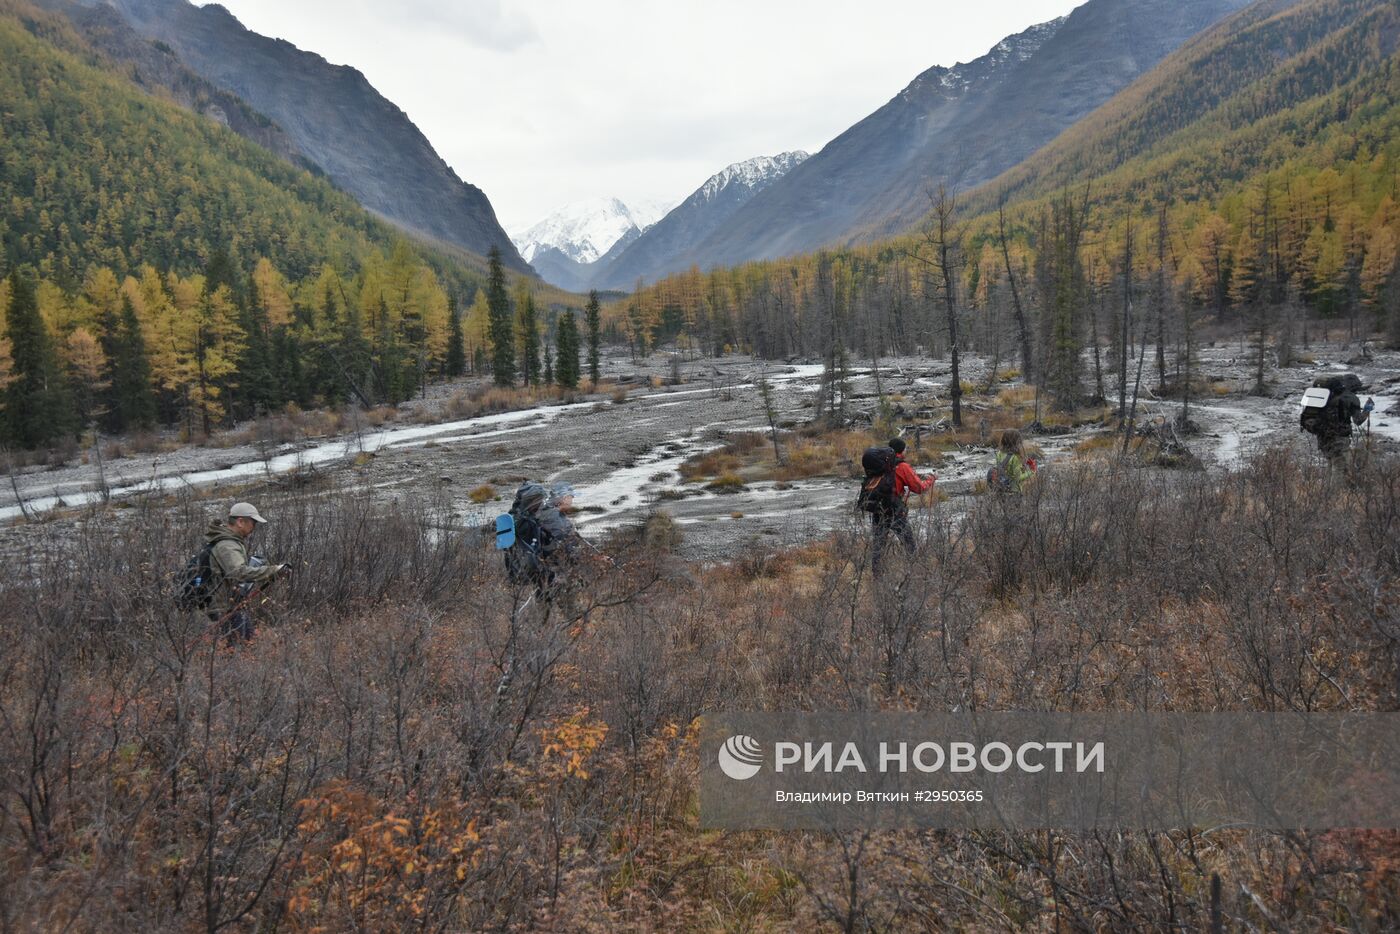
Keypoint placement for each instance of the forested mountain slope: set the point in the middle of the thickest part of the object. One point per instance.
(160, 268)
(961, 125)
(1281, 81)
(336, 119)
(93, 171)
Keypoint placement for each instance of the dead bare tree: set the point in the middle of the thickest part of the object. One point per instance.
(940, 251)
(1125, 327)
(770, 412)
(14, 484)
(1159, 296)
(1022, 328)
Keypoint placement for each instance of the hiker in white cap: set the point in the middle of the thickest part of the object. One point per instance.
(237, 574)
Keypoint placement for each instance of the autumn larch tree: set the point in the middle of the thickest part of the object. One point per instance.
(130, 403)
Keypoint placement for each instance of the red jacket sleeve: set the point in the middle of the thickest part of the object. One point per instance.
(906, 479)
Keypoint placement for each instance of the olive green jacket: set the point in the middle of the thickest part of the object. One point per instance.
(228, 558)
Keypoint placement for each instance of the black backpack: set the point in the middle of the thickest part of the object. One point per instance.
(525, 558)
(195, 584)
(1329, 419)
(1317, 420)
(877, 489)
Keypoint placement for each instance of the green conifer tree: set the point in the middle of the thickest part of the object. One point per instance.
(566, 371)
(456, 363)
(38, 410)
(499, 323)
(593, 319)
(529, 343)
(351, 356)
(132, 402)
(258, 384)
(388, 359)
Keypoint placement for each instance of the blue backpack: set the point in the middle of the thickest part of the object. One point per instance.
(521, 537)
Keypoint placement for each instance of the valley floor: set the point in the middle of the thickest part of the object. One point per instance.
(623, 451)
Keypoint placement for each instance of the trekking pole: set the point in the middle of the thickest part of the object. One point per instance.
(599, 553)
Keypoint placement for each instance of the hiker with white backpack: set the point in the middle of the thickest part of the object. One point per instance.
(1330, 408)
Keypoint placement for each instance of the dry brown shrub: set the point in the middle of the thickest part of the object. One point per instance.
(412, 742)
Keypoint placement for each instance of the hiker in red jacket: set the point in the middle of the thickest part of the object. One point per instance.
(906, 481)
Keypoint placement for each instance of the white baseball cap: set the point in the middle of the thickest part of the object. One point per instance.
(245, 510)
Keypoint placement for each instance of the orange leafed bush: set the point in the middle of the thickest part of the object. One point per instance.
(365, 866)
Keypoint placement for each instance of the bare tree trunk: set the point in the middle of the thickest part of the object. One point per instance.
(1094, 336)
(1262, 328)
(1137, 384)
(947, 244)
(765, 392)
(1161, 298)
(1023, 330)
(103, 491)
(994, 338)
(14, 485)
(937, 252)
(1186, 376)
(1125, 327)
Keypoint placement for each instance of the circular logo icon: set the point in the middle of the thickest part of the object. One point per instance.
(740, 757)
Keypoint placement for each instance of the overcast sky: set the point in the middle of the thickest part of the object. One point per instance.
(553, 101)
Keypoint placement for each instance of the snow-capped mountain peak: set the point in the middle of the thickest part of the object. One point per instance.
(750, 174)
(585, 230)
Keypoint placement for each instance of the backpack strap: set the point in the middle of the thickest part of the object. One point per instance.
(206, 562)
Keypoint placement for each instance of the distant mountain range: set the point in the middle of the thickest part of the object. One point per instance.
(567, 248)
(603, 243)
(329, 115)
(665, 246)
(964, 125)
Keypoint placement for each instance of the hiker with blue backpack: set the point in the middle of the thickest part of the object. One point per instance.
(1011, 468)
(889, 480)
(538, 538)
